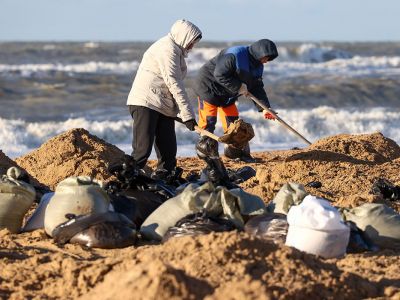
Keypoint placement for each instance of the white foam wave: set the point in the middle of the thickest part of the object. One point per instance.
(27, 70)
(311, 53)
(18, 137)
(354, 67)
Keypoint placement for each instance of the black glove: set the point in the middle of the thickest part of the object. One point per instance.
(190, 124)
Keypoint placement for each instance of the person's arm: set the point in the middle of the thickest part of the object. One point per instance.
(171, 72)
(225, 73)
(258, 91)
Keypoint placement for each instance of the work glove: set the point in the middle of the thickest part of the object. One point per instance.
(267, 115)
(190, 124)
(243, 90)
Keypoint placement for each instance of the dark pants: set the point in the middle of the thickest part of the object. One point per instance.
(151, 127)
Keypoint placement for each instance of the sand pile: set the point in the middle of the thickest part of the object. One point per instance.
(73, 153)
(347, 166)
(374, 148)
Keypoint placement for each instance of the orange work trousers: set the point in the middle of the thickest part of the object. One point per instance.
(208, 115)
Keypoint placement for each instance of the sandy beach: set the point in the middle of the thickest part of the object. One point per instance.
(230, 265)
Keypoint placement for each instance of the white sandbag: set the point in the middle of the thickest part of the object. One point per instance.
(75, 195)
(36, 220)
(16, 197)
(380, 224)
(316, 227)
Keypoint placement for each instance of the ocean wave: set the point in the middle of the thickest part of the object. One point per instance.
(18, 137)
(346, 67)
(27, 70)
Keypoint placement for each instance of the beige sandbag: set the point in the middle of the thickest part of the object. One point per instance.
(75, 195)
(15, 199)
(216, 201)
(379, 223)
(239, 133)
(291, 193)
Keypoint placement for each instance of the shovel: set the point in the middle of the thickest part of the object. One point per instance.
(277, 118)
(202, 131)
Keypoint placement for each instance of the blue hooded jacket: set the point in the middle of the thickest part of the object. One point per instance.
(219, 80)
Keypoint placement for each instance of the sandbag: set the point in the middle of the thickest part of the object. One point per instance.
(380, 224)
(316, 227)
(291, 193)
(198, 224)
(103, 230)
(239, 133)
(270, 226)
(216, 201)
(80, 195)
(16, 197)
(36, 220)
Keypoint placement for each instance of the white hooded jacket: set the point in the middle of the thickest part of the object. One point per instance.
(158, 84)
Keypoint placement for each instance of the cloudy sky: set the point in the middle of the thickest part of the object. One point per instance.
(226, 20)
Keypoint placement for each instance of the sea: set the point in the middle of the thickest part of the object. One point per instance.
(318, 88)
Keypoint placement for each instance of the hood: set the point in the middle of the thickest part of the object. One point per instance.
(184, 32)
(263, 48)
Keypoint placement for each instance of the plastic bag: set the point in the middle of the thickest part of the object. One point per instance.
(197, 224)
(269, 226)
(105, 230)
(136, 205)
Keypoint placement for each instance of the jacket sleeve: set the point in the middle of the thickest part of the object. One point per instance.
(257, 89)
(225, 73)
(171, 72)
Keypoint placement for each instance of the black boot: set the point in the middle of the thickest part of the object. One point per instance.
(239, 154)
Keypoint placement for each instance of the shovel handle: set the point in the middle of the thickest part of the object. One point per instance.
(278, 118)
(202, 131)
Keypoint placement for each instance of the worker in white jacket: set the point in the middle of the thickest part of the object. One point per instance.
(158, 97)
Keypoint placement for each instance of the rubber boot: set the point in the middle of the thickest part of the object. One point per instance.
(239, 154)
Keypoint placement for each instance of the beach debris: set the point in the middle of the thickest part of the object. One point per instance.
(314, 184)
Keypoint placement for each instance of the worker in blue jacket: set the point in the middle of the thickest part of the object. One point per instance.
(235, 71)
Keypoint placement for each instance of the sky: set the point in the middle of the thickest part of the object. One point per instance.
(219, 20)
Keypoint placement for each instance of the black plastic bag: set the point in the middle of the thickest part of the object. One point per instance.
(106, 230)
(241, 175)
(386, 189)
(136, 205)
(357, 242)
(198, 224)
